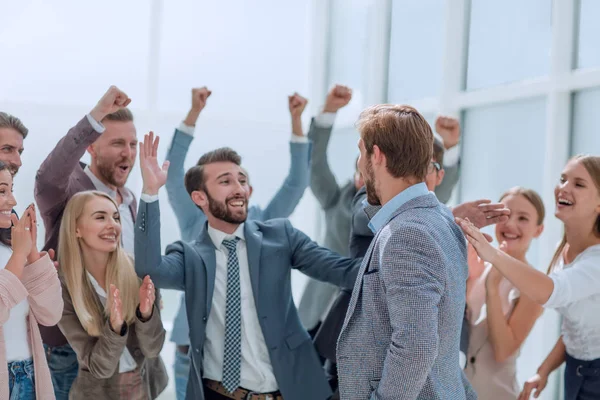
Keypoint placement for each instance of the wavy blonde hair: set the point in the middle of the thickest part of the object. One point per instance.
(119, 270)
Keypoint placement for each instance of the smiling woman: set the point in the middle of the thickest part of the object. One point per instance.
(112, 323)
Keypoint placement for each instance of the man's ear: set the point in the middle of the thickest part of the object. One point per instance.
(440, 177)
(199, 198)
(250, 191)
(91, 150)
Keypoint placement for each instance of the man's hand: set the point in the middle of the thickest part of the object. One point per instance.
(153, 176)
(112, 101)
(199, 97)
(297, 104)
(338, 97)
(449, 129)
(482, 212)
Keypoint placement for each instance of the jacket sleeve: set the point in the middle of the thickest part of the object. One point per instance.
(189, 216)
(45, 292)
(52, 178)
(288, 196)
(12, 292)
(99, 355)
(167, 272)
(414, 284)
(322, 181)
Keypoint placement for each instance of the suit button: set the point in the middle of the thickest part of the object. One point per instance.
(197, 350)
(204, 319)
(472, 360)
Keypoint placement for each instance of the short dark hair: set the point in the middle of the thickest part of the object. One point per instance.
(10, 121)
(194, 178)
(438, 151)
(5, 233)
(402, 134)
(123, 115)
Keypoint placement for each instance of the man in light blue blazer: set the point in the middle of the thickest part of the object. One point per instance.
(246, 337)
(191, 219)
(401, 335)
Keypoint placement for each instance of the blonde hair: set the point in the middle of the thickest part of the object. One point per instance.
(531, 196)
(119, 270)
(592, 166)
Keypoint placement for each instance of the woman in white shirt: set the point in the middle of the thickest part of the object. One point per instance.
(500, 319)
(112, 322)
(29, 294)
(573, 287)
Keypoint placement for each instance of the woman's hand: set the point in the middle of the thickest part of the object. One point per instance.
(21, 235)
(116, 310)
(537, 382)
(147, 298)
(484, 249)
(34, 254)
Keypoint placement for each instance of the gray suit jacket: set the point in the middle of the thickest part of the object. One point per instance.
(274, 248)
(401, 334)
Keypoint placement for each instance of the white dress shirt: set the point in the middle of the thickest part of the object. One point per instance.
(256, 370)
(16, 336)
(576, 296)
(126, 362)
(127, 224)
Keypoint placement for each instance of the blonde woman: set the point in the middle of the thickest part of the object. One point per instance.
(112, 322)
(29, 294)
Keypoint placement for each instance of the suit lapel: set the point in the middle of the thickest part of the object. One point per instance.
(206, 250)
(253, 245)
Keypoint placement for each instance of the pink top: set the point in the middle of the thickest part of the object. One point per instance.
(490, 379)
(41, 286)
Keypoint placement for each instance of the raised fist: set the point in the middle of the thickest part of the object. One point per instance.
(449, 129)
(338, 97)
(112, 101)
(297, 104)
(199, 97)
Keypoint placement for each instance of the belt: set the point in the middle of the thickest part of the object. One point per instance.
(240, 393)
(587, 372)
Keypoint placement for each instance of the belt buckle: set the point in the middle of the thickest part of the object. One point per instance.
(578, 370)
(250, 394)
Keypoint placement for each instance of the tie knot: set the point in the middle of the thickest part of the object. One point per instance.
(230, 244)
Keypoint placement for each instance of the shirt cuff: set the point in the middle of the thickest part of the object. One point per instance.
(188, 130)
(325, 120)
(149, 198)
(451, 156)
(98, 127)
(298, 139)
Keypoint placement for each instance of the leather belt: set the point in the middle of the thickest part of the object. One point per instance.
(241, 394)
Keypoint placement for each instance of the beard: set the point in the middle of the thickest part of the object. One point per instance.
(369, 179)
(220, 210)
(108, 170)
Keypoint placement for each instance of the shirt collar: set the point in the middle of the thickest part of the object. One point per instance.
(101, 292)
(383, 215)
(99, 185)
(218, 236)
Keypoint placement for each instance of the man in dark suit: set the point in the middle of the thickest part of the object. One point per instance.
(401, 333)
(107, 132)
(245, 333)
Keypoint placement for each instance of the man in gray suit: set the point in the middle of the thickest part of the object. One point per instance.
(246, 338)
(336, 200)
(401, 334)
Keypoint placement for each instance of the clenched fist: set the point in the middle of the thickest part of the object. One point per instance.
(199, 97)
(297, 104)
(449, 129)
(112, 101)
(338, 97)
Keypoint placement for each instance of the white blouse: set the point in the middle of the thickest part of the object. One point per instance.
(16, 336)
(126, 362)
(576, 296)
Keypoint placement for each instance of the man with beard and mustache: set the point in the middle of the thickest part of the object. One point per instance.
(401, 334)
(191, 219)
(109, 135)
(246, 339)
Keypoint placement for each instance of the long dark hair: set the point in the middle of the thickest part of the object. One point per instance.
(5, 232)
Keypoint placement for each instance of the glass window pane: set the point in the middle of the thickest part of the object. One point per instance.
(416, 49)
(586, 120)
(588, 52)
(506, 45)
(251, 54)
(503, 146)
(348, 53)
(59, 52)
